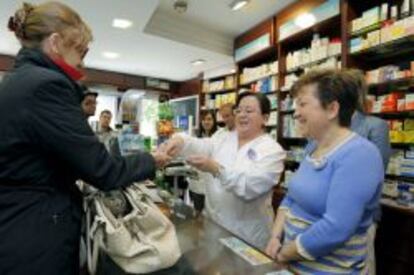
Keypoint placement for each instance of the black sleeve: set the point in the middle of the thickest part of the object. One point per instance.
(59, 127)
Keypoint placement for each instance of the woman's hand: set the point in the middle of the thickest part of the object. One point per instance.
(161, 158)
(288, 252)
(204, 163)
(273, 247)
(172, 147)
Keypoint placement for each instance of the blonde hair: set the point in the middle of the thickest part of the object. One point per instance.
(33, 23)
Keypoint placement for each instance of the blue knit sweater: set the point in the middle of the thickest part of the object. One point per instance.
(330, 207)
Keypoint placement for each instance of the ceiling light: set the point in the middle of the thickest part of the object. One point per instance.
(198, 62)
(233, 71)
(121, 23)
(305, 20)
(238, 4)
(110, 55)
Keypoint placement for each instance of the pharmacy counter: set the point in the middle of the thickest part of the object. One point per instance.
(204, 252)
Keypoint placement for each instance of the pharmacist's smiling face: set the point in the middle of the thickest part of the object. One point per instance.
(249, 118)
(311, 118)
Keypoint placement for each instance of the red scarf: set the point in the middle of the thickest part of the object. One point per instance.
(71, 71)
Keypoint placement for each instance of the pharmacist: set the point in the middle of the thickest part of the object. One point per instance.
(245, 163)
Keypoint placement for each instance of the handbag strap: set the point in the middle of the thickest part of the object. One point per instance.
(94, 238)
(95, 230)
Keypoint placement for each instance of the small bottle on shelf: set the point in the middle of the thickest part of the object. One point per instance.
(405, 9)
(394, 13)
(384, 12)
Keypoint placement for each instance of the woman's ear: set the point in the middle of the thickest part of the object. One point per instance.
(333, 110)
(54, 44)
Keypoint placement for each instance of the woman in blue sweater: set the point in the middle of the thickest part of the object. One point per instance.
(321, 225)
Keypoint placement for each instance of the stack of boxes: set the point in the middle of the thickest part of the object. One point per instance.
(228, 83)
(388, 26)
(252, 74)
(401, 131)
(321, 48)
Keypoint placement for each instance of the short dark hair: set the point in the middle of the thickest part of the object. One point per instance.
(87, 91)
(264, 102)
(332, 85)
(106, 111)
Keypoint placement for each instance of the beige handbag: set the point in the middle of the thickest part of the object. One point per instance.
(142, 241)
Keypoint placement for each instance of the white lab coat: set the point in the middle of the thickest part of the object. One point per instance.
(239, 198)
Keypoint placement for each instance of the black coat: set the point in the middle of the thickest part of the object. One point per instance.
(45, 146)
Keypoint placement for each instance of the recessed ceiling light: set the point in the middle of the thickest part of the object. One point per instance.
(305, 20)
(232, 71)
(121, 23)
(110, 55)
(238, 4)
(198, 62)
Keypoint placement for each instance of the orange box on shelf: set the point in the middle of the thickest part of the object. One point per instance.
(390, 102)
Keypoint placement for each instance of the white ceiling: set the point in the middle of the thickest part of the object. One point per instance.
(161, 43)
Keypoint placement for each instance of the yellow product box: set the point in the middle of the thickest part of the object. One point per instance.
(396, 136)
(409, 136)
(229, 82)
(226, 99)
(374, 38)
(409, 124)
(218, 101)
(397, 30)
(233, 98)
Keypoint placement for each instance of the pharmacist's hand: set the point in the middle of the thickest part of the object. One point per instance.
(204, 163)
(173, 146)
(161, 158)
(273, 247)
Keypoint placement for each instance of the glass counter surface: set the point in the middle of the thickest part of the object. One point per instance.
(203, 253)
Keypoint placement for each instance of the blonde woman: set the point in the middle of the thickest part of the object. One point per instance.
(46, 145)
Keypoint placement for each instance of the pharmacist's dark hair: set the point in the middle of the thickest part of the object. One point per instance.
(264, 102)
(331, 86)
(106, 111)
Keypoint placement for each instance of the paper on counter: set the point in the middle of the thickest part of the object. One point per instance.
(248, 253)
(280, 272)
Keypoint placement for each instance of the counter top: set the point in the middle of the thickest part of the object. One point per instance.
(201, 246)
(203, 253)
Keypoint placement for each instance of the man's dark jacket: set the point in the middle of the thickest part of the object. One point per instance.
(45, 146)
